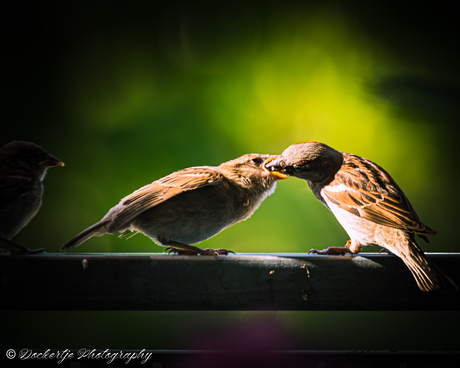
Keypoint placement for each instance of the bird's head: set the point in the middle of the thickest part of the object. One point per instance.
(249, 169)
(312, 161)
(28, 156)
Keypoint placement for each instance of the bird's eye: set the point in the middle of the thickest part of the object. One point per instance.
(257, 160)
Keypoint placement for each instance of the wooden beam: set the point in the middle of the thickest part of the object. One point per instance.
(279, 281)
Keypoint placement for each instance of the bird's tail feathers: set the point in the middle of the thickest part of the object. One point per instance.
(98, 229)
(428, 276)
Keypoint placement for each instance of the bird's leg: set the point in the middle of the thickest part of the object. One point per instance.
(190, 250)
(215, 252)
(21, 249)
(181, 249)
(336, 250)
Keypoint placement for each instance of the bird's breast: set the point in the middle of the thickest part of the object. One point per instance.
(366, 232)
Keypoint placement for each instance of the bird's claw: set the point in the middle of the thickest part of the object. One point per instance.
(331, 251)
(322, 252)
(215, 252)
(179, 252)
(19, 249)
(202, 252)
(24, 251)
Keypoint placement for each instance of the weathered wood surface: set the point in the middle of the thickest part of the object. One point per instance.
(279, 281)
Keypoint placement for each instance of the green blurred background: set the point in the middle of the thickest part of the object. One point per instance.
(125, 93)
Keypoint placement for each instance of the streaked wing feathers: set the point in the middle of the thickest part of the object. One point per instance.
(161, 190)
(366, 190)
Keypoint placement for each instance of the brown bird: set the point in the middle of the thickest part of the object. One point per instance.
(190, 205)
(368, 204)
(23, 166)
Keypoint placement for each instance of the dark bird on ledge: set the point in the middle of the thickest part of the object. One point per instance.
(190, 205)
(368, 204)
(23, 166)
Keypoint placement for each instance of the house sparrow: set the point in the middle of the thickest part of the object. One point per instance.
(23, 167)
(190, 205)
(368, 204)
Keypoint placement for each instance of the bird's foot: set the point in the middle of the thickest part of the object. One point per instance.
(332, 251)
(198, 251)
(215, 252)
(20, 249)
(191, 250)
(25, 250)
(180, 252)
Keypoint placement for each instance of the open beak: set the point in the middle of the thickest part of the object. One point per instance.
(51, 161)
(271, 166)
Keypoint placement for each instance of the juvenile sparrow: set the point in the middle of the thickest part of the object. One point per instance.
(190, 205)
(368, 204)
(23, 167)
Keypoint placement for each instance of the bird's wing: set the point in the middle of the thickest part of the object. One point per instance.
(12, 187)
(366, 190)
(161, 190)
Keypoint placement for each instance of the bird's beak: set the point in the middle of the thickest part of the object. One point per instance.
(273, 167)
(51, 161)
